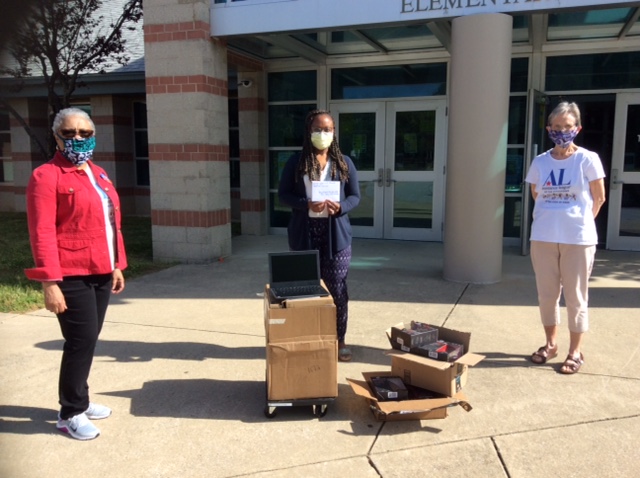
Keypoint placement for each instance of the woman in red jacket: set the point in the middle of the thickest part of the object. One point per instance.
(73, 213)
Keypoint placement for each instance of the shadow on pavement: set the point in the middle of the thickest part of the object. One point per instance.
(27, 420)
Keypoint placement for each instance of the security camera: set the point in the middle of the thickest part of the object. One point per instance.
(245, 83)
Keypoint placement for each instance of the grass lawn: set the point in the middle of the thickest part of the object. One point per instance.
(18, 294)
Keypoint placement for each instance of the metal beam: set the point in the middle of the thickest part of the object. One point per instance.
(627, 26)
(295, 46)
(538, 27)
(370, 41)
(442, 31)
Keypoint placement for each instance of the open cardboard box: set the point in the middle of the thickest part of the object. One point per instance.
(301, 349)
(310, 317)
(426, 409)
(294, 303)
(404, 338)
(447, 378)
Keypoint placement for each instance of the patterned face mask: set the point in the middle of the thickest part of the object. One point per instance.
(78, 151)
(561, 138)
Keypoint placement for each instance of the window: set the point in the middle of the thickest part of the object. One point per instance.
(514, 176)
(291, 96)
(234, 135)
(391, 81)
(6, 165)
(519, 74)
(602, 71)
(141, 143)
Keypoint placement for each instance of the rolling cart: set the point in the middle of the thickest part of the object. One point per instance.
(301, 355)
(318, 406)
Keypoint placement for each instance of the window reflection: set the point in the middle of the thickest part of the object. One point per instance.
(357, 139)
(415, 140)
(602, 71)
(363, 214)
(390, 81)
(286, 124)
(413, 205)
(630, 210)
(632, 140)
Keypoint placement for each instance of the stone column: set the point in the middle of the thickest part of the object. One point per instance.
(25, 154)
(253, 151)
(477, 147)
(186, 82)
(112, 116)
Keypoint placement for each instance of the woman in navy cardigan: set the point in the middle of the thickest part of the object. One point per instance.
(323, 225)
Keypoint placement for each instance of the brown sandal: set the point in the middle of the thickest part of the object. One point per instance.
(543, 354)
(572, 365)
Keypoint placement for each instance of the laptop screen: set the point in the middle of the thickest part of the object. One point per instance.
(294, 266)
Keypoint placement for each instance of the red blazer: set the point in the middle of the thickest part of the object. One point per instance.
(67, 224)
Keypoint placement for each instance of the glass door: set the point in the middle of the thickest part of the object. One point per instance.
(534, 145)
(623, 228)
(398, 148)
(360, 128)
(414, 170)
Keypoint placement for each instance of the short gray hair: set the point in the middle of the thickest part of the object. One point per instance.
(565, 108)
(65, 113)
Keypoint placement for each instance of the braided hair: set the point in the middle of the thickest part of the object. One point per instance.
(308, 163)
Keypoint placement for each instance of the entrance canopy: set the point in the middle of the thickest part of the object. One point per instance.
(316, 30)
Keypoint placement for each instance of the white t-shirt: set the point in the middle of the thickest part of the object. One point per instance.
(109, 215)
(563, 211)
(324, 176)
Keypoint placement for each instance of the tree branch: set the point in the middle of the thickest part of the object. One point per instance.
(5, 104)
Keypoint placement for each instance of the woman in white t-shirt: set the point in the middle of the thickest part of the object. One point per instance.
(567, 184)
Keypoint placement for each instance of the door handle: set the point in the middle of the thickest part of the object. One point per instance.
(388, 179)
(614, 179)
(380, 177)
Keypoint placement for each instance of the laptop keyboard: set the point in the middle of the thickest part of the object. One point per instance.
(299, 290)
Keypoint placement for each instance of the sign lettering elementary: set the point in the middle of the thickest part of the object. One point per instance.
(254, 17)
(410, 6)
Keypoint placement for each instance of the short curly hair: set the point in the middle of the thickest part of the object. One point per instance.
(65, 113)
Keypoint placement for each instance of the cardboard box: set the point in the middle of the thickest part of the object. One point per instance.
(303, 369)
(447, 378)
(425, 409)
(405, 338)
(287, 324)
(389, 388)
(301, 349)
(440, 350)
(302, 302)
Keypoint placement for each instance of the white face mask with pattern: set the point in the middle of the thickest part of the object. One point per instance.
(322, 140)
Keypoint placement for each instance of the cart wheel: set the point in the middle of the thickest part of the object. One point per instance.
(320, 410)
(269, 412)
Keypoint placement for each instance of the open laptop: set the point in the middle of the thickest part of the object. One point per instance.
(295, 275)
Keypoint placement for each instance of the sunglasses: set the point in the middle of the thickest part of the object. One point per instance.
(72, 133)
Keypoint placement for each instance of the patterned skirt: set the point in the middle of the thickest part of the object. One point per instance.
(333, 270)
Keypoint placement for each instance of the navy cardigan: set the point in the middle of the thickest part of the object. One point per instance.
(293, 194)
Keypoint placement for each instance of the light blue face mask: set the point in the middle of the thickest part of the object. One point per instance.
(78, 151)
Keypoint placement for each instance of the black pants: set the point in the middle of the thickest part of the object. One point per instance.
(87, 298)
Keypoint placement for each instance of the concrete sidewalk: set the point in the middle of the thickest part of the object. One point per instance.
(181, 362)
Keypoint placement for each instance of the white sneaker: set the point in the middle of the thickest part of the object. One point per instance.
(79, 427)
(97, 412)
